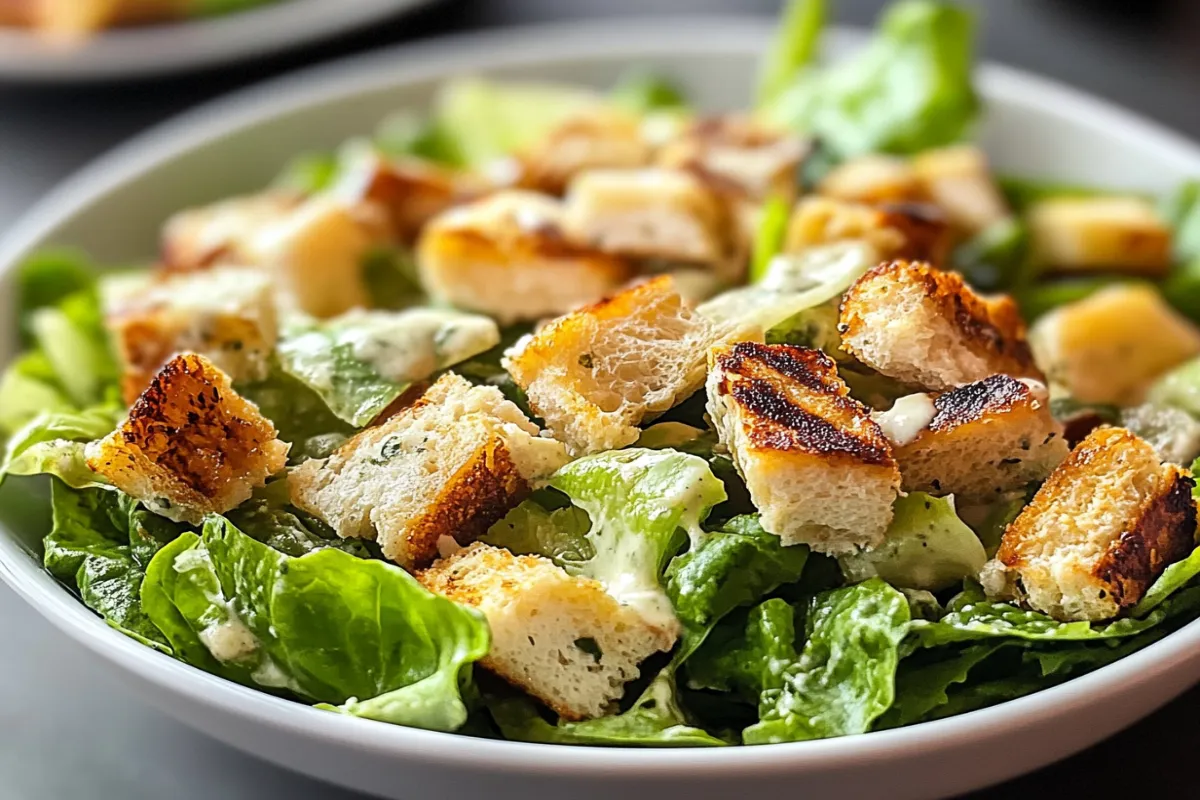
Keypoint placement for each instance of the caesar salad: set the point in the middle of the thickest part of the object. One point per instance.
(586, 417)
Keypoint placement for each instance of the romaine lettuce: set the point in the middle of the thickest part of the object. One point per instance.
(793, 47)
(299, 414)
(53, 443)
(908, 90)
(844, 677)
(642, 92)
(926, 547)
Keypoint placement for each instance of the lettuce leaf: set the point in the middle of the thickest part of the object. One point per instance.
(100, 544)
(53, 443)
(269, 517)
(737, 654)
(642, 91)
(326, 625)
(926, 547)
(361, 362)
(922, 687)
(844, 677)
(908, 90)
(793, 47)
(298, 413)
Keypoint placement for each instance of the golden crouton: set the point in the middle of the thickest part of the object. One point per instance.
(599, 138)
(450, 465)
(1110, 346)
(225, 314)
(599, 372)
(737, 155)
(926, 327)
(560, 638)
(222, 232)
(410, 190)
(316, 253)
(819, 470)
(191, 445)
(977, 441)
(649, 214)
(1102, 528)
(874, 179)
(958, 180)
(1111, 234)
(909, 231)
(506, 256)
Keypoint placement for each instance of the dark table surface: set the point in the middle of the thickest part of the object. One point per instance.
(67, 731)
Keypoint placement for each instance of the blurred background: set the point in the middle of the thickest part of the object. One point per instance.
(1140, 54)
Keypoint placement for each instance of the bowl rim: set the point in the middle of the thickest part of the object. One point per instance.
(480, 51)
(193, 44)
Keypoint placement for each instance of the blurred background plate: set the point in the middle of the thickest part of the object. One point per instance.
(174, 47)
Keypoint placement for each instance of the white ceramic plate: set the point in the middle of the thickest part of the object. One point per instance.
(193, 44)
(114, 208)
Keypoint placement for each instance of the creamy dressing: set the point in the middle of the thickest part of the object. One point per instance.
(905, 420)
(413, 344)
(227, 638)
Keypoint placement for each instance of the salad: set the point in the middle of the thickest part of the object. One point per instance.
(583, 417)
(79, 19)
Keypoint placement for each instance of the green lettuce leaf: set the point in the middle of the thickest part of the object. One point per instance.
(738, 654)
(359, 636)
(361, 362)
(996, 258)
(922, 686)
(270, 518)
(926, 547)
(908, 90)
(1179, 388)
(793, 47)
(28, 388)
(100, 544)
(73, 338)
(769, 236)
(844, 677)
(53, 443)
(703, 443)
(298, 413)
(642, 91)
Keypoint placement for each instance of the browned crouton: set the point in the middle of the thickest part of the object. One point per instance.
(926, 327)
(191, 445)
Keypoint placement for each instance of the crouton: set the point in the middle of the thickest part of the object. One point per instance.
(411, 191)
(908, 231)
(1102, 528)
(958, 180)
(975, 442)
(927, 328)
(560, 638)
(737, 155)
(1111, 234)
(316, 254)
(222, 232)
(506, 256)
(596, 374)
(191, 445)
(225, 314)
(1110, 346)
(649, 214)
(451, 464)
(874, 179)
(599, 138)
(819, 470)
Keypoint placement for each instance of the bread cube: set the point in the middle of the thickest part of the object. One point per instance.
(450, 465)
(222, 232)
(958, 180)
(819, 469)
(599, 138)
(191, 445)
(909, 231)
(1111, 234)
(874, 178)
(560, 638)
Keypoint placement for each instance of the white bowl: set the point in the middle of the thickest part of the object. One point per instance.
(192, 44)
(114, 208)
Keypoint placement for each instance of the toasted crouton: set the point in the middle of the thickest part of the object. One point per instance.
(597, 373)
(975, 442)
(649, 214)
(910, 231)
(225, 314)
(222, 232)
(315, 253)
(599, 138)
(819, 470)
(737, 155)
(560, 638)
(506, 256)
(1115, 234)
(411, 191)
(926, 327)
(1109, 347)
(874, 179)
(451, 464)
(1103, 526)
(191, 445)
(959, 181)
